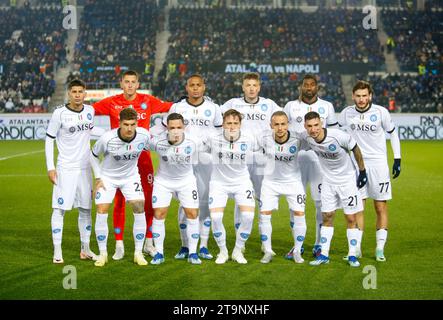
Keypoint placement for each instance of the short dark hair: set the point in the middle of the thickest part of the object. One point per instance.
(128, 114)
(76, 83)
(175, 116)
(232, 112)
(251, 76)
(361, 85)
(196, 75)
(309, 76)
(311, 115)
(279, 113)
(130, 73)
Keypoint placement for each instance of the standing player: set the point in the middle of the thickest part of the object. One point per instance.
(201, 117)
(282, 177)
(339, 189)
(145, 105)
(121, 149)
(309, 164)
(70, 126)
(256, 112)
(368, 123)
(175, 176)
(231, 152)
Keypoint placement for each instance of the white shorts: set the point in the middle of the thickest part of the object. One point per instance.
(256, 174)
(311, 172)
(185, 191)
(271, 192)
(242, 193)
(336, 197)
(131, 189)
(73, 189)
(202, 174)
(378, 186)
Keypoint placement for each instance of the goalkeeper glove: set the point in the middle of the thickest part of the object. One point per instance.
(396, 168)
(362, 179)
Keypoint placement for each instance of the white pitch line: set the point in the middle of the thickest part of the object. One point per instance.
(21, 155)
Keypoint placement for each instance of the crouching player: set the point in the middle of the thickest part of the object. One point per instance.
(121, 148)
(282, 176)
(339, 189)
(175, 176)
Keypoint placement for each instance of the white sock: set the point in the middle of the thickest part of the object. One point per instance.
(359, 240)
(265, 229)
(325, 239)
(84, 226)
(381, 236)
(244, 231)
(102, 232)
(318, 222)
(205, 229)
(299, 231)
(57, 231)
(192, 234)
(158, 234)
(139, 230)
(237, 217)
(218, 230)
(352, 235)
(182, 226)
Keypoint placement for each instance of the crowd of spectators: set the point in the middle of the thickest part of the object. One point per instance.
(416, 37)
(113, 32)
(221, 34)
(30, 50)
(408, 93)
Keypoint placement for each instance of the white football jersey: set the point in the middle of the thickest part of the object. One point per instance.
(200, 120)
(333, 154)
(231, 159)
(175, 160)
(368, 129)
(256, 116)
(72, 131)
(120, 156)
(282, 164)
(297, 109)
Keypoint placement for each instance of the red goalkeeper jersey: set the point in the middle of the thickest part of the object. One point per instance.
(144, 104)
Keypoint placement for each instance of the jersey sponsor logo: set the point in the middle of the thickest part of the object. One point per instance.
(72, 129)
(243, 147)
(118, 107)
(141, 116)
(364, 127)
(254, 116)
(140, 146)
(264, 107)
(144, 106)
(82, 127)
(208, 113)
(60, 200)
(321, 110)
(292, 149)
(332, 147)
(89, 116)
(299, 119)
(284, 158)
(232, 156)
(373, 118)
(198, 122)
(327, 155)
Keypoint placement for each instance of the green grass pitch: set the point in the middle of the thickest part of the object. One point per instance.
(414, 250)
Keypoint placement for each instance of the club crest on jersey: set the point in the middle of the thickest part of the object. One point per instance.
(321, 110)
(89, 116)
(292, 149)
(332, 147)
(188, 150)
(373, 118)
(208, 113)
(140, 146)
(264, 107)
(144, 106)
(243, 147)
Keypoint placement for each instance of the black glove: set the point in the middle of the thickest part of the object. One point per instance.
(396, 168)
(362, 179)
